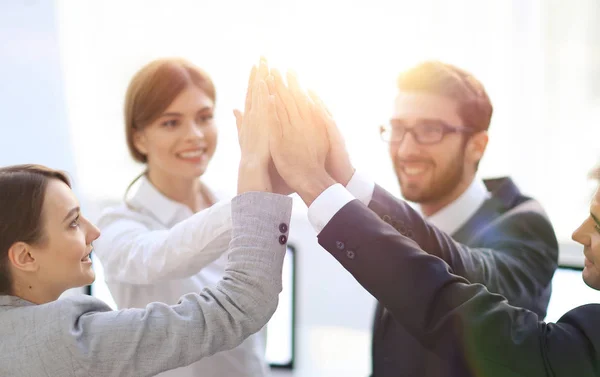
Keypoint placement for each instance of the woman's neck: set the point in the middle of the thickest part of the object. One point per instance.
(34, 293)
(185, 191)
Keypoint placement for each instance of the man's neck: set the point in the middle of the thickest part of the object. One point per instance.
(432, 207)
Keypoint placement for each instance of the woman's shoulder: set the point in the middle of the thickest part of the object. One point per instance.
(119, 212)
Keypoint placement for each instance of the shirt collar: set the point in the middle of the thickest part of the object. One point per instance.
(166, 211)
(13, 301)
(450, 218)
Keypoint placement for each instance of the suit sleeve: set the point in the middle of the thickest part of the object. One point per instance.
(519, 259)
(145, 342)
(478, 332)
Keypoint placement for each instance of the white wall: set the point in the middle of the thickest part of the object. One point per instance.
(33, 125)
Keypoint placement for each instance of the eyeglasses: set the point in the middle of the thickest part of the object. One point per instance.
(424, 132)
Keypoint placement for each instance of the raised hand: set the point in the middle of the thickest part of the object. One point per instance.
(253, 133)
(338, 162)
(278, 185)
(299, 145)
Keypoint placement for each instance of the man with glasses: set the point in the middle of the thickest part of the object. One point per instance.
(500, 238)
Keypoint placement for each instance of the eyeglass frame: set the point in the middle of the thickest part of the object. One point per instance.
(446, 129)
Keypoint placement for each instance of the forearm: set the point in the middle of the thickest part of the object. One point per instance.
(458, 321)
(131, 253)
(146, 342)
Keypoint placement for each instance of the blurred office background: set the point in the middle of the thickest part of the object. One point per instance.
(65, 65)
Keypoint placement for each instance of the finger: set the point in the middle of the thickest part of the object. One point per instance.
(271, 85)
(319, 102)
(279, 106)
(286, 98)
(255, 95)
(282, 114)
(323, 113)
(248, 104)
(263, 68)
(263, 98)
(298, 95)
(238, 119)
(273, 118)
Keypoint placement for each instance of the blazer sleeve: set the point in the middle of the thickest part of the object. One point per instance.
(519, 259)
(145, 342)
(132, 253)
(478, 332)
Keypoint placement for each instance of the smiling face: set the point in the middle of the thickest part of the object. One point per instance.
(60, 259)
(431, 96)
(588, 235)
(182, 140)
(429, 172)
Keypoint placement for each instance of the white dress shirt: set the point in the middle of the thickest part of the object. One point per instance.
(155, 249)
(456, 214)
(449, 219)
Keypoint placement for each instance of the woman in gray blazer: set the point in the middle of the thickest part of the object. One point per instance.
(45, 244)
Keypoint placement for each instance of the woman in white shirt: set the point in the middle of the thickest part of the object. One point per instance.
(147, 250)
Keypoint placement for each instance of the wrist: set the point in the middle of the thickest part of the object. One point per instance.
(340, 167)
(253, 175)
(345, 176)
(311, 188)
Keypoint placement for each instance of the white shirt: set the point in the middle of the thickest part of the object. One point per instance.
(449, 219)
(156, 249)
(456, 214)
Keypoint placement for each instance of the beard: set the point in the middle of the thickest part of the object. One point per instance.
(441, 185)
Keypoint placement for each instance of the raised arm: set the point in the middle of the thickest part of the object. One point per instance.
(145, 342)
(478, 332)
(519, 262)
(132, 253)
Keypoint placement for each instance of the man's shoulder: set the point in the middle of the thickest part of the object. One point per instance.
(508, 212)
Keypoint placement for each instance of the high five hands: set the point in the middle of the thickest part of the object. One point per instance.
(289, 138)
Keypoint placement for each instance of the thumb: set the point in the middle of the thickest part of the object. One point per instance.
(332, 131)
(238, 119)
(319, 102)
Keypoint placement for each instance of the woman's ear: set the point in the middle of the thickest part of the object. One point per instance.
(22, 258)
(140, 142)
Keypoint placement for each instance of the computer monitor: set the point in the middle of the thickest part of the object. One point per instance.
(280, 352)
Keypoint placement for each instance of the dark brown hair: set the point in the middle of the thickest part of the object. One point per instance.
(22, 192)
(152, 90)
(434, 77)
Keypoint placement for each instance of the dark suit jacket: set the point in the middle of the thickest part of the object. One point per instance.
(508, 245)
(476, 333)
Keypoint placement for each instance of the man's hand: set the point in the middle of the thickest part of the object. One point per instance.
(338, 163)
(299, 145)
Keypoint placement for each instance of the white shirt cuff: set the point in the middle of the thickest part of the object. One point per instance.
(322, 209)
(361, 187)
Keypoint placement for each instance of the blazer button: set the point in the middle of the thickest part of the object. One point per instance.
(350, 254)
(283, 228)
(339, 245)
(282, 239)
(409, 233)
(386, 218)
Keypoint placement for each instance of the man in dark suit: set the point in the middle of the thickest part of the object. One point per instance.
(471, 331)
(437, 136)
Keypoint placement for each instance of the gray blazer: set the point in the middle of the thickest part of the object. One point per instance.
(82, 336)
